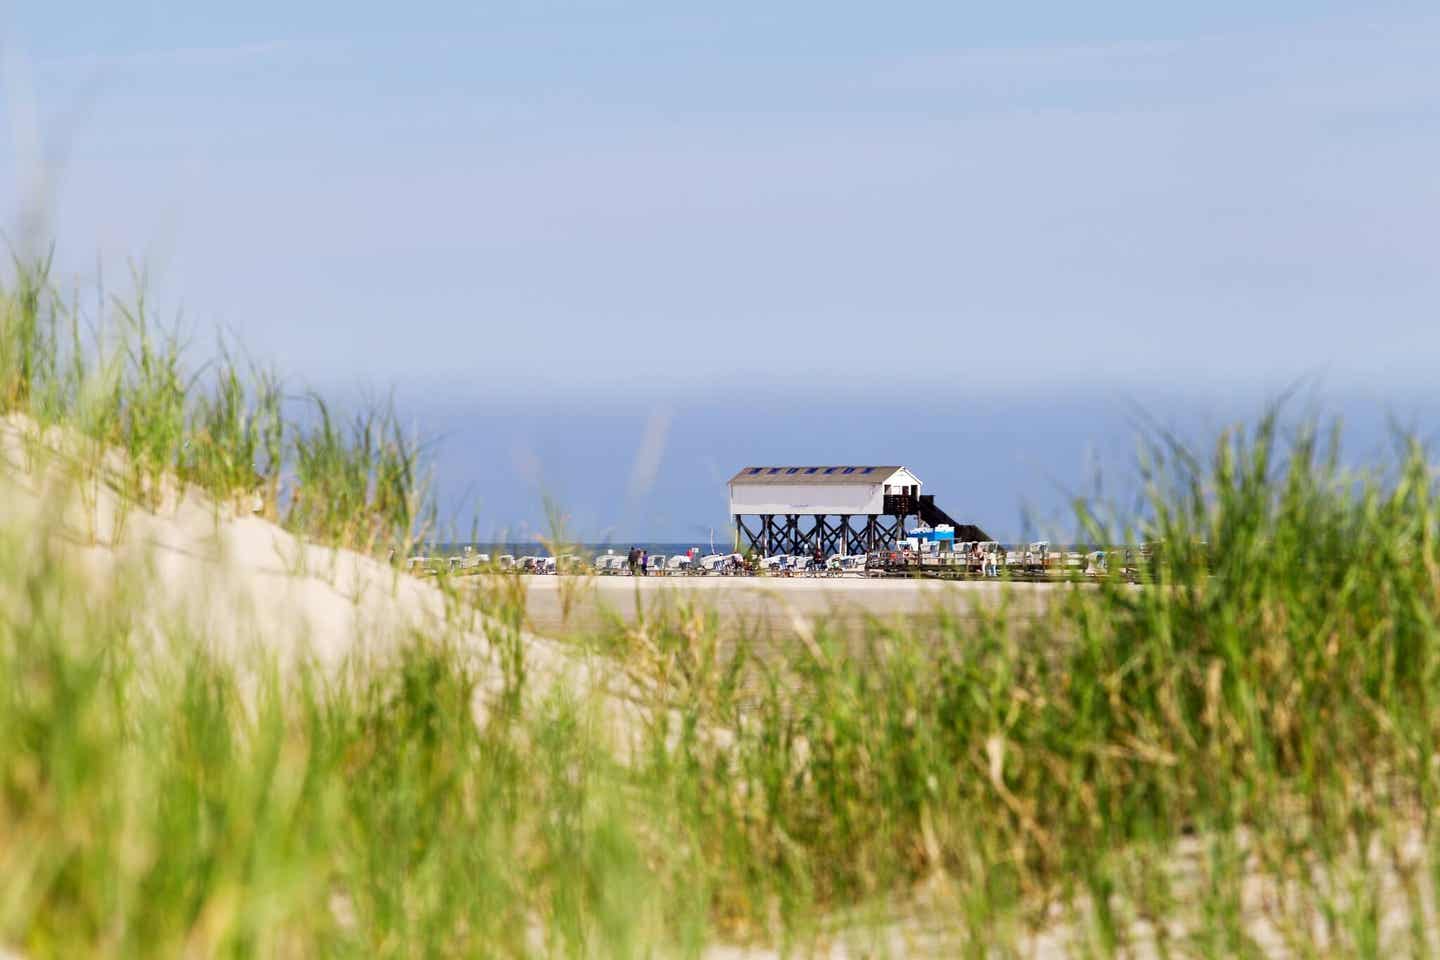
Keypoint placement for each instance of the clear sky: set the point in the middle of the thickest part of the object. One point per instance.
(636, 200)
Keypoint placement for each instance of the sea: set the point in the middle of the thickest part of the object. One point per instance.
(533, 549)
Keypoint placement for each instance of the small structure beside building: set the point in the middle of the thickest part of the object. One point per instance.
(842, 509)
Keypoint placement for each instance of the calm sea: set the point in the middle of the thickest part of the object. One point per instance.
(533, 549)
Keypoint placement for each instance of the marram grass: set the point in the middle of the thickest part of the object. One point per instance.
(1238, 758)
(122, 379)
(155, 800)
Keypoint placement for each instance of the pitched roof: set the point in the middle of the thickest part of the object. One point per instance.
(812, 475)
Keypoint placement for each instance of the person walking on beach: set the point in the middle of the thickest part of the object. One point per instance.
(644, 570)
(630, 559)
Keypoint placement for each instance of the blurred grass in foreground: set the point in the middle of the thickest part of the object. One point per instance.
(1237, 759)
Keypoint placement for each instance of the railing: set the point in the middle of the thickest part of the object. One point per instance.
(901, 505)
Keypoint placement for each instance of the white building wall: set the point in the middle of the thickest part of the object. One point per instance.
(902, 478)
(855, 498)
(833, 498)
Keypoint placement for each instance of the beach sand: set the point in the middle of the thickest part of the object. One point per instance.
(772, 606)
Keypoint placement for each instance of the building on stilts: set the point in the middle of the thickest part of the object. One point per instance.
(844, 509)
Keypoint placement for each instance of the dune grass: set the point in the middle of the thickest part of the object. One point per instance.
(125, 380)
(1235, 759)
(156, 801)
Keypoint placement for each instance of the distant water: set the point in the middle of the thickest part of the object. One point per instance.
(532, 549)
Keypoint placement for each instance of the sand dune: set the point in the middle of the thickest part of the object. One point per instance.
(239, 583)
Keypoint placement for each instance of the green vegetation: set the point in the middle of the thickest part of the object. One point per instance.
(1236, 759)
(1271, 701)
(120, 379)
(157, 801)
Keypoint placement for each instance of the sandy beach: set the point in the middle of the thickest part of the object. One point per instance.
(774, 606)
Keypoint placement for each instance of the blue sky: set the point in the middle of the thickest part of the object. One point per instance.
(640, 202)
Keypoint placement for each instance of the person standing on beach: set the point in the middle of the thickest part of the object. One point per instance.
(644, 570)
(630, 559)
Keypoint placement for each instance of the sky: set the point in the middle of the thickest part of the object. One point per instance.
(714, 221)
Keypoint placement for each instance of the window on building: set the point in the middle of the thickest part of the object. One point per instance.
(849, 469)
(753, 470)
(793, 470)
(831, 469)
(811, 470)
(774, 470)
